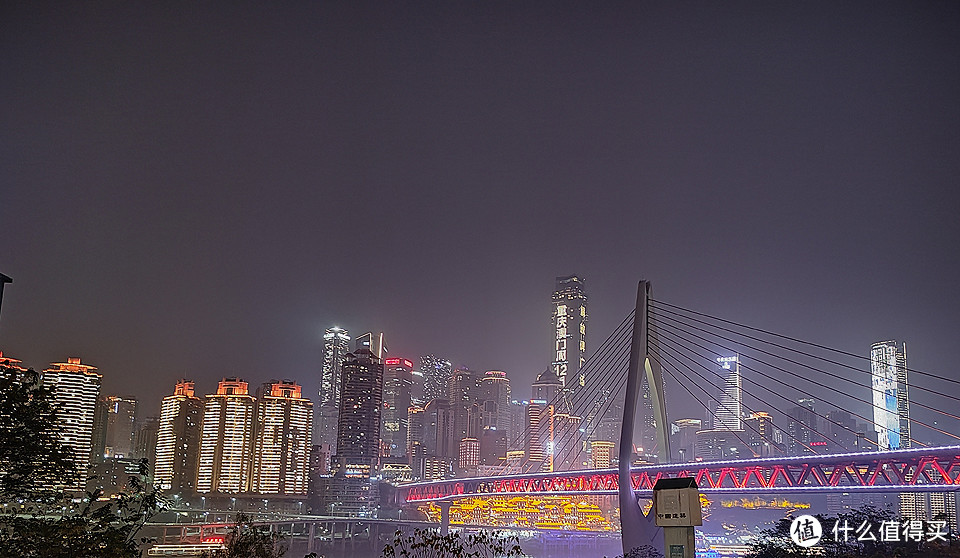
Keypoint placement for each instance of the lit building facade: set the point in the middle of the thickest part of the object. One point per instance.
(683, 434)
(495, 401)
(600, 452)
(336, 345)
(464, 397)
(282, 440)
(436, 372)
(730, 408)
(226, 439)
(570, 331)
(120, 427)
(469, 455)
(75, 388)
(891, 411)
(398, 383)
(361, 400)
(178, 440)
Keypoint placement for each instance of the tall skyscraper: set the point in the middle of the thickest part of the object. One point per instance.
(282, 439)
(439, 430)
(178, 440)
(226, 439)
(464, 392)
(730, 409)
(361, 398)
(120, 427)
(436, 377)
(570, 331)
(372, 342)
(803, 425)
(495, 401)
(336, 345)
(75, 387)
(398, 382)
(891, 411)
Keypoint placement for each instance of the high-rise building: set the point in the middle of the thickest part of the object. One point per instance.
(226, 439)
(336, 345)
(372, 342)
(436, 372)
(121, 423)
(891, 411)
(178, 440)
(554, 439)
(361, 399)
(282, 439)
(145, 442)
(730, 408)
(469, 455)
(75, 388)
(760, 435)
(398, 382)
(570, 331)
(683, 434)
(439, 430)
(464, 397)
(600, 454)
(803, 429)
(495, 401)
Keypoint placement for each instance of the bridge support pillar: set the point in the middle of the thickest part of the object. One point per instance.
(636, 528)
(444, 516)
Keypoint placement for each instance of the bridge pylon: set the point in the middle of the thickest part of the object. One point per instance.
(637, 529)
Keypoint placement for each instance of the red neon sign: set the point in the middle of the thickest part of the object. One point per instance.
(407, 363)
(392, 361)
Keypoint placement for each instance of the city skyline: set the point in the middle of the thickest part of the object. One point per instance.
(202, 203)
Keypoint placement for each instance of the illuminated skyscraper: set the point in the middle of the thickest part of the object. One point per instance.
(891, 411)
(75, 389)
(336, 345)
(226, 439)
(464, 392)
(282, 439)
(570, 329)
(120, 427)
(730, 409)
(361, 399)
(436, 377)
(398, 382)
(495, 401)
(178, 440)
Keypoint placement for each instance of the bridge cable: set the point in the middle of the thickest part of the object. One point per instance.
(611, 349)
(670, 347)
(597, 422)
(747, 367)
(869, 421)
(801, 442)
(858, 370)
(603, 353)
(655, 356)
(610, 380)
(795, 340)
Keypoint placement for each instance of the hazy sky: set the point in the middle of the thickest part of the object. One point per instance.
(199, 189)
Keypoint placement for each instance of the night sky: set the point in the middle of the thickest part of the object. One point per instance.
(199, 189)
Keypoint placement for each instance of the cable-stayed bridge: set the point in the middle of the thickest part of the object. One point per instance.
(659, 341)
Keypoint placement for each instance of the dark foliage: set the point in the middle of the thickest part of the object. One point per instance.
(424, 543)
(38, 521)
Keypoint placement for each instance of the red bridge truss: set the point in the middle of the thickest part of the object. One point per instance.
(927, 469)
